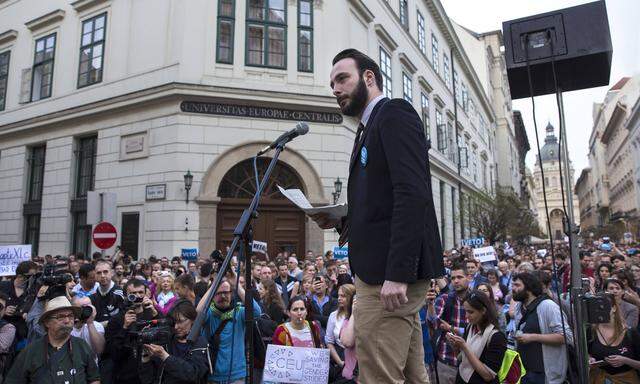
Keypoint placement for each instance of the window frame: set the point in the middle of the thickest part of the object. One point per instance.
(32, 228)
(441, 132)
(266, 25)
(33, 156)
(422, 33)
(232, 21)
(92, 45)
(4, 79)
(42, 64)
(79, 194)
(77, 229)
(309, 29)
(407, 85)
(387, 78)
(426, 114)
(435, 53)
(446, 70)
(403, 13)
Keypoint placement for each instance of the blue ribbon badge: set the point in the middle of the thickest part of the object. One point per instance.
(363, 156)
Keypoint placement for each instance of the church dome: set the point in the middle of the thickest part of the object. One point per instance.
(550, 150)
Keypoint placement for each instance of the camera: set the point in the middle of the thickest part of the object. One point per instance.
(597, 307)
(133, 302)
(55, 277)
(156, 332)
(85, 313)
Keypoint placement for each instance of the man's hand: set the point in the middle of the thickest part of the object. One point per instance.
(431, 296)
(526, 338)
(93, 315)
(393, 295)
(446, 327)
(11, 310)
(129, 318)
(42, 291)
(325, 221)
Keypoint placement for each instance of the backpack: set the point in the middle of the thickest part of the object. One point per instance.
(6, 358)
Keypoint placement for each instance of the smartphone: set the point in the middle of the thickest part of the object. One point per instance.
(598, 363)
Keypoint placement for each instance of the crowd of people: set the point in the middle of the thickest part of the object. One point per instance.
(116, 320)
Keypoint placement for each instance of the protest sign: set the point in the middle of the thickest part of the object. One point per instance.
(485, 254)
(473, 242)
(296, 365)
(508, 250)
(340, 252)
(541, 252)
(189, 253)
(259, 247)
(11, 256)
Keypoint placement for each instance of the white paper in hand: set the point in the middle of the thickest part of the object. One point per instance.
(300, 200)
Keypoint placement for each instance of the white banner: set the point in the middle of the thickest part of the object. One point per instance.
(296, 365)
(485, 254)
(259, 247)
(11, 256)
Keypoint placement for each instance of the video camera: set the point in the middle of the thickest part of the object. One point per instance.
(55, 277)
(156, 332)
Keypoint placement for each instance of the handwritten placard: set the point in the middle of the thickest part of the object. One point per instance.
(296, 365)
(11, 256)
(485, 254)
(259, 247)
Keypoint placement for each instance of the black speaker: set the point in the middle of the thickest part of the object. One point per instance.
(577, 39)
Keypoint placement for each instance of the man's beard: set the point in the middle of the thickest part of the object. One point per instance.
(358, 100)
(520, 295)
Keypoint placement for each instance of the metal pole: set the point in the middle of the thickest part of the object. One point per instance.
(101, 216)
(577, 292)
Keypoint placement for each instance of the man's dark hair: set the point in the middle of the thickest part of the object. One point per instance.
(530, 281)
(175, 258)
(186, 280)
(460, 267)
(363, 62)
(617, 257)
(24, 267)
(134, 283)
(96, 255)
(80, 255)
(206, 269)
(85, 269)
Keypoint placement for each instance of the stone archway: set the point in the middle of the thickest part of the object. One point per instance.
(557, 229)
(210, 200)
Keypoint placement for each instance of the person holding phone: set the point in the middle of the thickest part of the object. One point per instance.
(614, 350)
(483, 346)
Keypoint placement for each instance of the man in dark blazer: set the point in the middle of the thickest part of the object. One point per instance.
(394, 243)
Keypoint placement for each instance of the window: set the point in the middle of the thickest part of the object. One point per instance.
(226, 25)
(442, 139)
(32, 232)
(404, 17)
(456, 88)
(474, 158)
(86, 170)
(305, 36)
(81, 233)
(407, 87)
(422, 39)
(465, 98)
(445, 70)
(452, 144)
(385, 68)
(4, 76)
(434, 53)
(453, 212)
(424, 104)
(443, 217)
(266, 33)
(92, 50)
(36, 174)
(42, 71)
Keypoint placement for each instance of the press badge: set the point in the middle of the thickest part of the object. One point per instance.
(363, 156)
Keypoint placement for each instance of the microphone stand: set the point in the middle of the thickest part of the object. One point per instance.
(242, 238)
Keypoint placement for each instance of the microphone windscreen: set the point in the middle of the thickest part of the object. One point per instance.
(302, 128)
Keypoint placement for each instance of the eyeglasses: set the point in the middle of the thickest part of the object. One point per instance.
(223, 293)
(60, 317)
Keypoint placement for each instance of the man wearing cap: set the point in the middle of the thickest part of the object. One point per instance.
(58, 357)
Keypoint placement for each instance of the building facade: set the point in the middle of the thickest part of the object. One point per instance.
(611, 190)
(552, 183)
(129, 97)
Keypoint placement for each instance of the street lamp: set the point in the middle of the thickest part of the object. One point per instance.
(337, 189)
(188, 179)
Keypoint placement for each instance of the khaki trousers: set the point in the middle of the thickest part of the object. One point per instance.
(389, 344)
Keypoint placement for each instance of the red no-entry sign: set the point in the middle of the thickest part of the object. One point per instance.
(104, 235)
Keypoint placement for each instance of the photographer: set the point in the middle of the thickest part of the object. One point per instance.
(58, 357)
(181, 361)
(122, 327)
(16, 289)
(86, 328)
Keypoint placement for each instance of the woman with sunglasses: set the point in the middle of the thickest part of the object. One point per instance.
(484, 346)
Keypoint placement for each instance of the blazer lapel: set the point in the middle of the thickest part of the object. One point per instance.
(366, 131)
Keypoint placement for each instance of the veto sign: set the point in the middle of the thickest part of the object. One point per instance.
(473, 242)
(189, 253)
(11, 256)
(104, 235)
(485, 254)
(296, 365)
(259, 247)
(340, 252)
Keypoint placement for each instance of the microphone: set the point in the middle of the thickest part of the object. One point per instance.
(301, 129)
